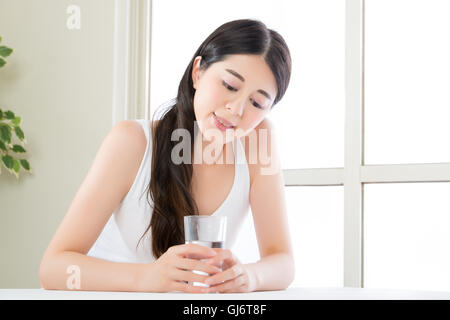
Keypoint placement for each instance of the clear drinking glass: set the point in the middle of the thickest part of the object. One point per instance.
(208, 231)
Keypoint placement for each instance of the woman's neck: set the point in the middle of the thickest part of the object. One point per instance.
(209, 153)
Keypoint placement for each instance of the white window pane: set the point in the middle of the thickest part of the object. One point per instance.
(316, 221)
(311, 113)
(407, 100)
(406, 236)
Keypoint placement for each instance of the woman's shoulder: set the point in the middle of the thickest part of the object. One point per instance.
(136, 127)
(131, 130)
(133, 133)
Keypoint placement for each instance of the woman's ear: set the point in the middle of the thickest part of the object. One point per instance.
(196, 71)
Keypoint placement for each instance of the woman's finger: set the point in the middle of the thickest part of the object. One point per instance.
(193, 250)
(191, 264)
(181, 275)
(231, 273)
(229, 286)
(223, 257)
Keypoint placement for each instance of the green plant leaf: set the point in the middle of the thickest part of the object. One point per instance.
(0, 39)
(10, 115)
(5, 51)
(25, 164)
(8, 161)
(5, 133)
(1, 114)
(18, 148)
(16, 166)
(19, 133)
(16, 121)
(2, 146)
(2, 62)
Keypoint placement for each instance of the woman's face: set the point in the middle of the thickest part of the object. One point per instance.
(239, 89)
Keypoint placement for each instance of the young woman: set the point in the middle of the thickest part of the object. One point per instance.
(118, 240)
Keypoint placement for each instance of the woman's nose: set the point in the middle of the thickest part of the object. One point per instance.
(236, 107)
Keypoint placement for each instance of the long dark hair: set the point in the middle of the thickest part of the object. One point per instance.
(170, 183)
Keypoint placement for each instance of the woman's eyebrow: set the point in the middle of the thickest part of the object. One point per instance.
(237, 75)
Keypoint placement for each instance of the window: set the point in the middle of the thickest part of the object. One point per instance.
(406, 103)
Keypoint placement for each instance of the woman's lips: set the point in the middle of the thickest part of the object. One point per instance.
(224, 121)
(220, 125)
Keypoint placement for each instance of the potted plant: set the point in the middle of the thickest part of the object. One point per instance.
(9, 124)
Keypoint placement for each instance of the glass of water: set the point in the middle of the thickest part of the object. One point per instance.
(208, 231)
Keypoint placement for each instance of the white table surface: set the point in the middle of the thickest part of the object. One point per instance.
(289, 294)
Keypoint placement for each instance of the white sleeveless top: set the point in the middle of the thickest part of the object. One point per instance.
(119, 238)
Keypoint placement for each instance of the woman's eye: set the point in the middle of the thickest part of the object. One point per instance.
(228, 87)
(257, 105)
(233, 89)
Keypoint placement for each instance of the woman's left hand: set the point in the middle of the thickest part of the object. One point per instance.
(235, 277)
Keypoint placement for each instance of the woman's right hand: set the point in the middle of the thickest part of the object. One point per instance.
(173, 270)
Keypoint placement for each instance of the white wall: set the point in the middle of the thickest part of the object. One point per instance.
(60, 82)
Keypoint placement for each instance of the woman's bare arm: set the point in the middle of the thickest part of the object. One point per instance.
(76, 271)
(106, 184)
(275, 270)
